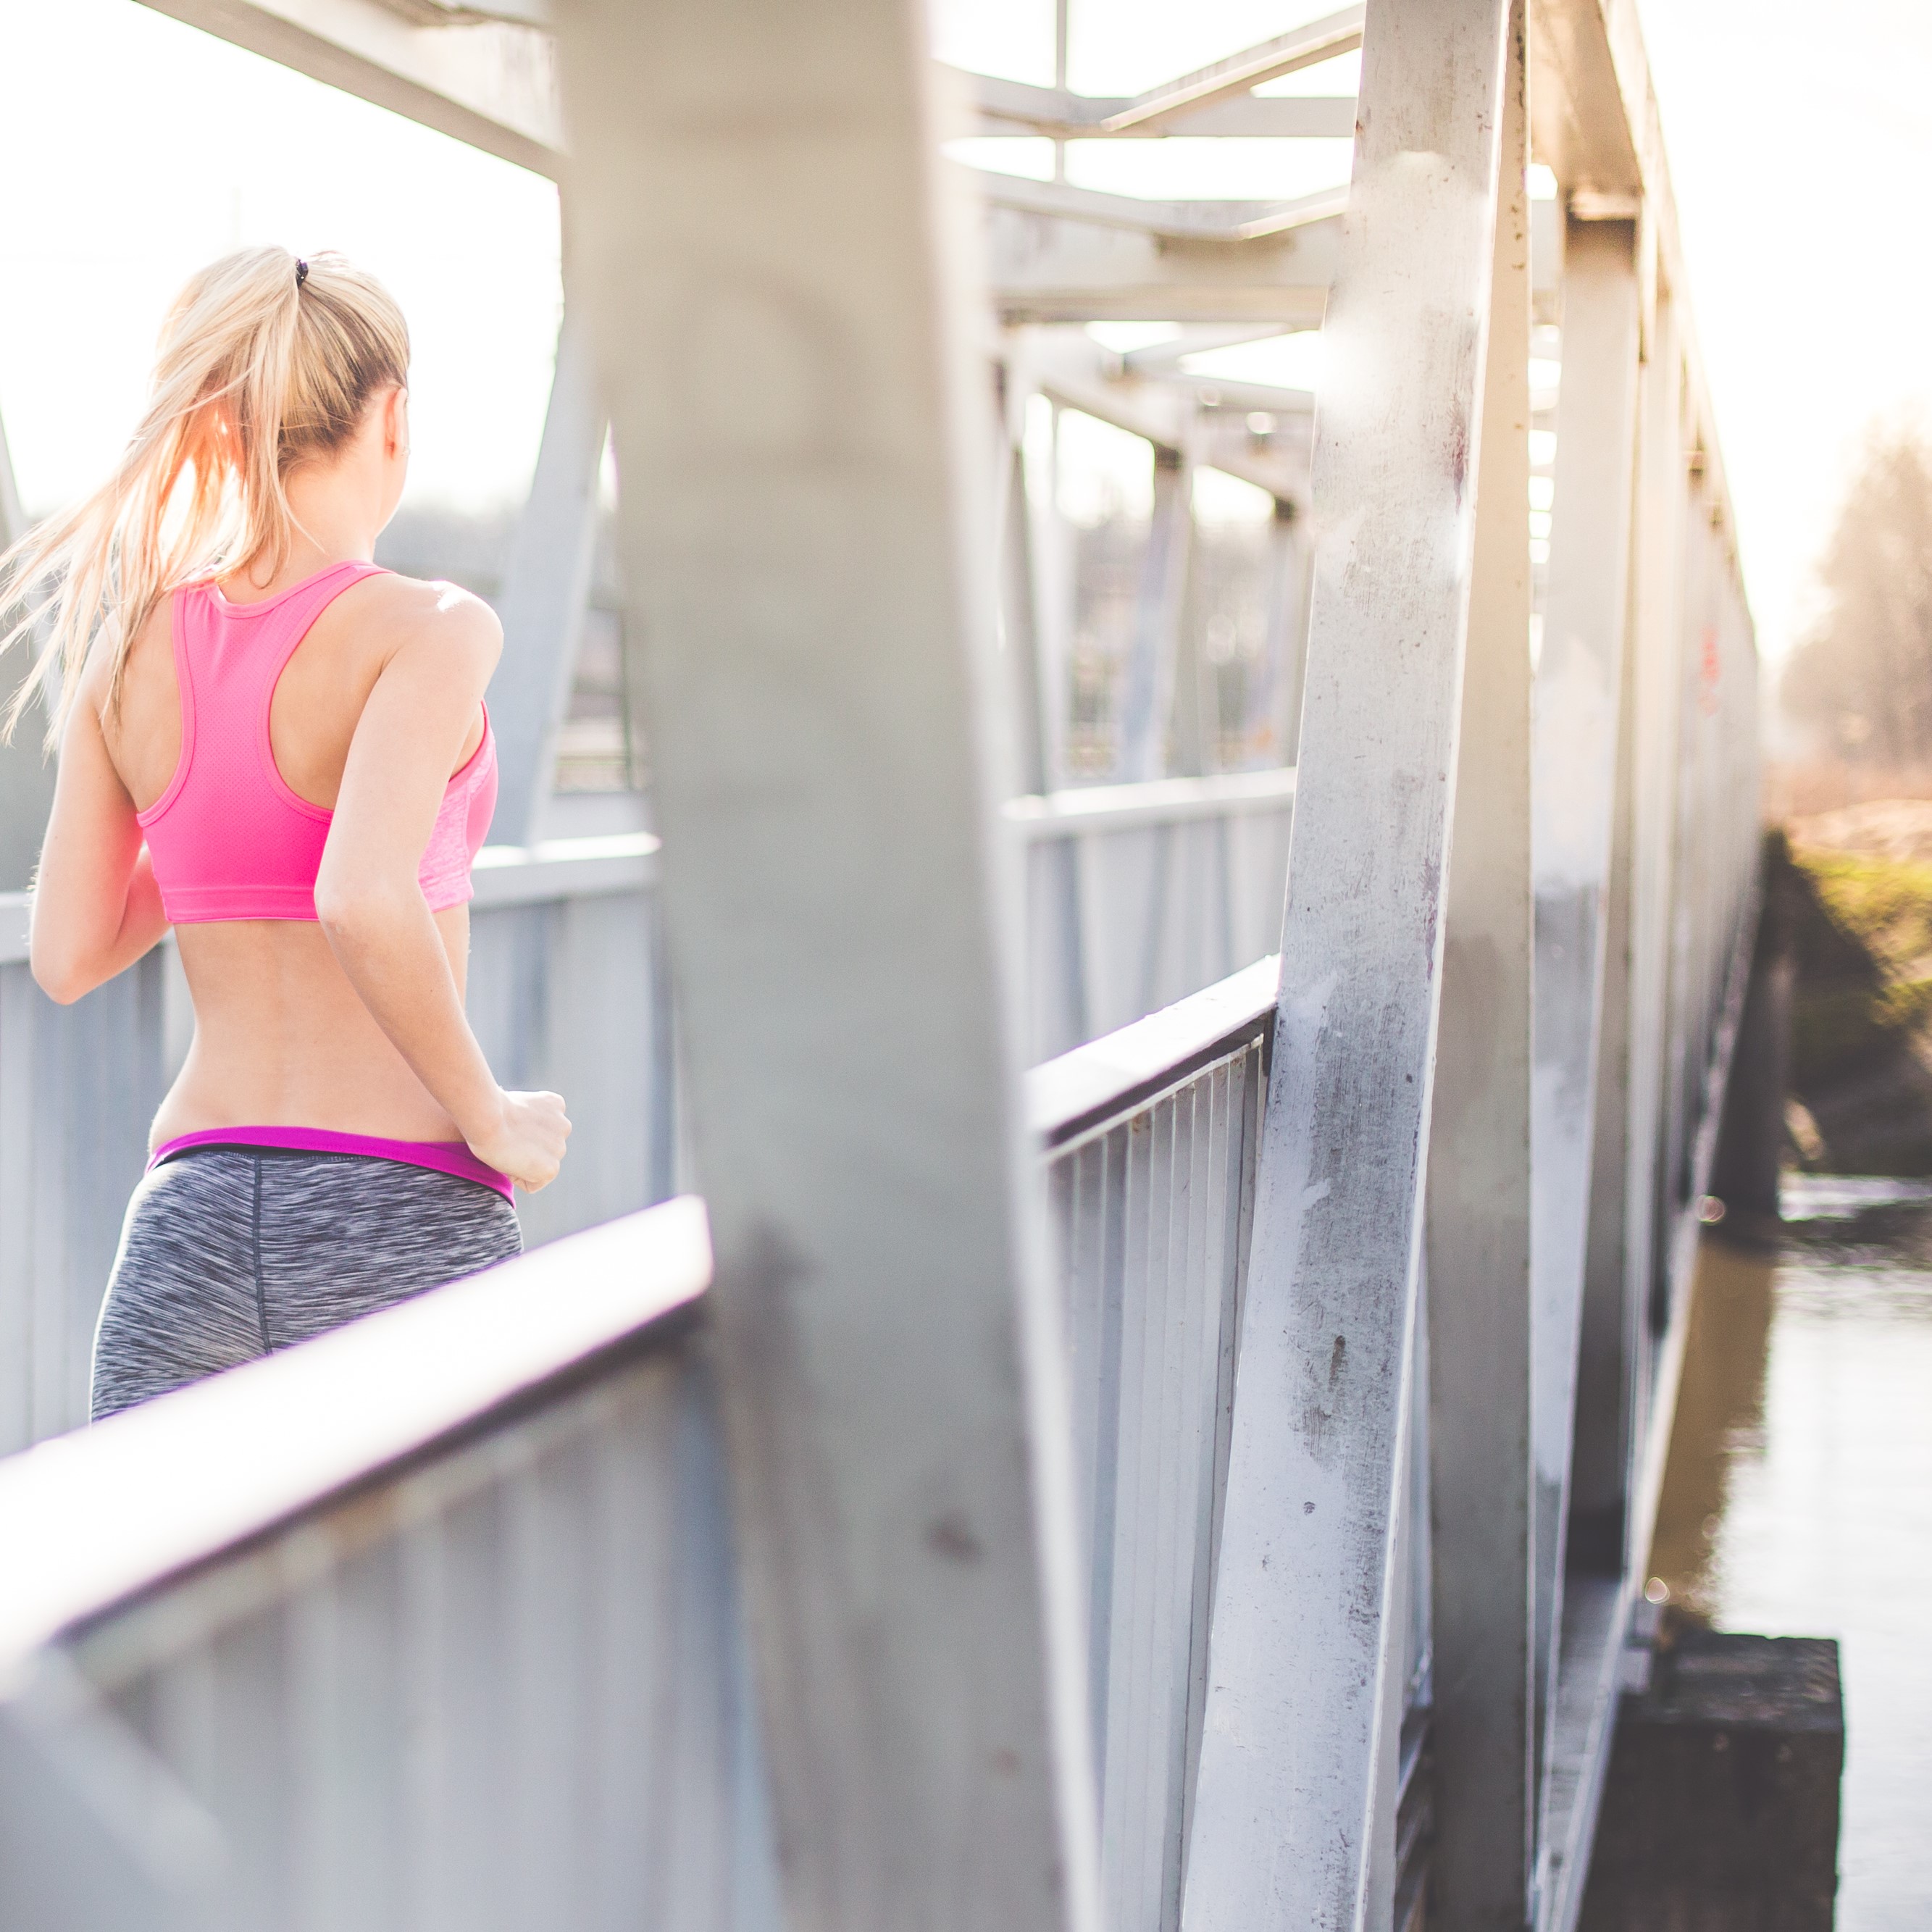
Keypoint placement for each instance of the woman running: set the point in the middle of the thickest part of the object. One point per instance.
(281, 750)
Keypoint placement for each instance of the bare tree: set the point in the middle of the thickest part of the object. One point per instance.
(1861, 681)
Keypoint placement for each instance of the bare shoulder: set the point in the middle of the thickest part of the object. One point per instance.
(409, 613)
(147, 666)
(150, 653)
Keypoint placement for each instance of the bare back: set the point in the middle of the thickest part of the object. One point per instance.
(281, 1035)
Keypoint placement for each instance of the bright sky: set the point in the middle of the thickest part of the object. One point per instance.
(140, 149)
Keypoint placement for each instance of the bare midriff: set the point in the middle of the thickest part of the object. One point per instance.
(282, 1038)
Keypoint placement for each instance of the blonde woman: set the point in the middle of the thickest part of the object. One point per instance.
(281, 751)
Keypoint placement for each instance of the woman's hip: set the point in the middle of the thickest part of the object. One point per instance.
(229, 1253)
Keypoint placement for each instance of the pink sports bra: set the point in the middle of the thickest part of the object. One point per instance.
(228, 839)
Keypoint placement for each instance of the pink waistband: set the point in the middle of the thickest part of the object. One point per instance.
(450, 1157)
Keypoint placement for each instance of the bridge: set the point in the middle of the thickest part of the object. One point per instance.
(1104, 1352)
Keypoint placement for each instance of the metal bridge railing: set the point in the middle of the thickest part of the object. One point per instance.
(1139, 894)
(461, 1646)
(453, 1644)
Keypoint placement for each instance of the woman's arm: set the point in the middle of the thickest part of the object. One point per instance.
(367, 896)
(96, 907)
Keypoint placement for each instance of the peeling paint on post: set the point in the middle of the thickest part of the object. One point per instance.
(1284, 1834)
(808, 569)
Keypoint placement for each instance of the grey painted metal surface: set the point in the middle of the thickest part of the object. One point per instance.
(1148, 703)
(1579, 682)
(1178, 885)
(474, 1657)
(546, 591)
(1150, 1208)
(1287, 1830)
(809, 580)
(26, 776)
(1480, 1160)
(78, 1086)
(1173, 886)
(457, 1646)
(1136, 896)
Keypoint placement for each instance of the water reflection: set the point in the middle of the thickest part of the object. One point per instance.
(1720, 1420)
(1799, 1498)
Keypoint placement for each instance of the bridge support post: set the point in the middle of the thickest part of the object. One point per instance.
(1579, 685)
(1611, 1377)
(546, 586)
(1479, 1156)
(760, 234)
(1292, 1826)
(1286, 647)
(1148, 704)
(26, 775)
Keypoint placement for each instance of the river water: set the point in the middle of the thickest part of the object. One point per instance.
(1799, 1498)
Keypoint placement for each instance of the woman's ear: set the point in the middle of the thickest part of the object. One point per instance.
(396, 422)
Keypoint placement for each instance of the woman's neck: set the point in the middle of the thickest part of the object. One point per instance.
(332, 524)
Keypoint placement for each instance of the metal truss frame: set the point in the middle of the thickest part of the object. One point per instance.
(1513, 947)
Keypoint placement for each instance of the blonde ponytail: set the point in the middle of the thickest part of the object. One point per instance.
(264, 363)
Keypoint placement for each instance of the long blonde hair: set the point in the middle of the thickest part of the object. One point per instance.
(265, 362)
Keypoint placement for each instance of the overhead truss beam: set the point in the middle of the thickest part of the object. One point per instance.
(491, 83)
(1301, 46)
(1013, 106)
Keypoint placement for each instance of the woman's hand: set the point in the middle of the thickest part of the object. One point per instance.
(526, 1139)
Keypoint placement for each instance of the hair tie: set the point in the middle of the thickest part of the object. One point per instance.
(302, 271)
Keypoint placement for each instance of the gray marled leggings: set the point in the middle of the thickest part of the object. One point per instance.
(230, 1253)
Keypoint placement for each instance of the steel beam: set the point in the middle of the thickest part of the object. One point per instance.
(1579, 679)
(808, 576)
(1479, 1163)
(1305, 46)
(1613, 1369)
(1146, 703)
(1077, 373)
(1049, 267)
(546, 589)
(492, 84)
(1287, 1825)
(26, 770)
(1034, 756)
(1013, 106)
(1167, 220)
(1285, 651)
(13, 518)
